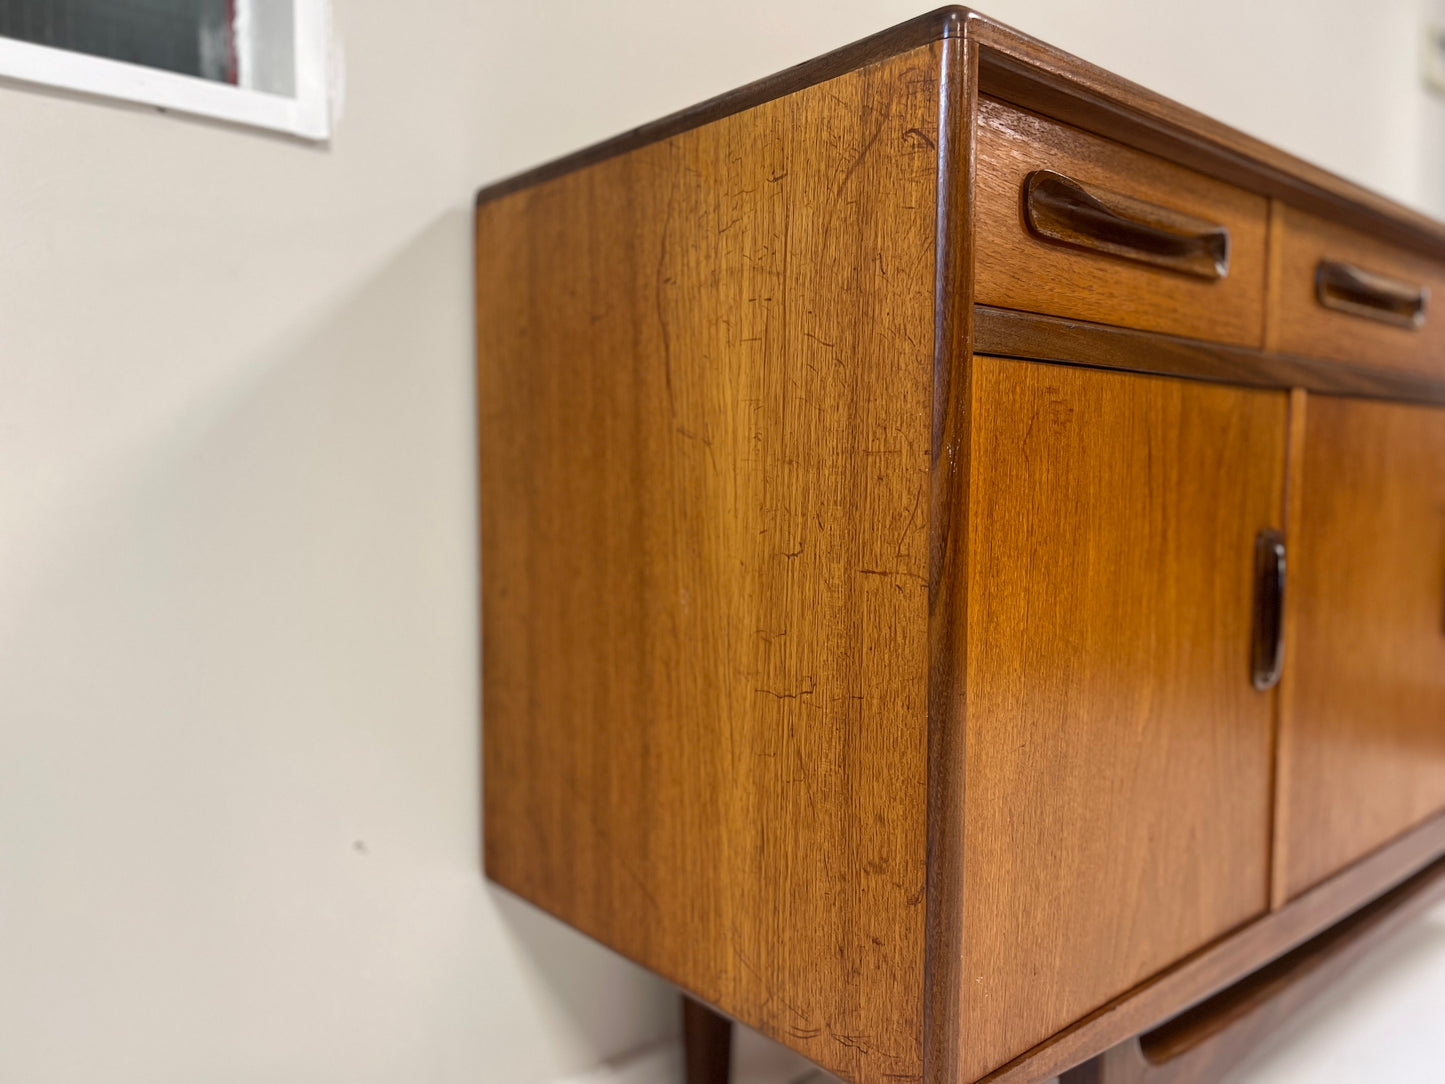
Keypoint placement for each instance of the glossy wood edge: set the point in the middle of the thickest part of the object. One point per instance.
(948, 555)
(1010, 333)
(1023, 70)
(1230, 959)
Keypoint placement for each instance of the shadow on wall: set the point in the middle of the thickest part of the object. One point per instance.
(239, 763)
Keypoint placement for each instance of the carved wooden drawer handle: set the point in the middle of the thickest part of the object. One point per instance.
(1063, 210)
(1351, 289)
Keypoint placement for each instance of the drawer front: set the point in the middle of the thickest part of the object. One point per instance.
(1337, 293)
(1073, 225)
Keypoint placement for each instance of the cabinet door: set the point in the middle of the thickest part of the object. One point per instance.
(1362, 738)
(1117, 788)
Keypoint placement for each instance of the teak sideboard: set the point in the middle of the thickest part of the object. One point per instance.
(963, 560)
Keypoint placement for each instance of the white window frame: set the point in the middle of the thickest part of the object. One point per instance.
(307, 114)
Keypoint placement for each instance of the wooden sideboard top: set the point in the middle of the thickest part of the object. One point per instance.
(1015, 67)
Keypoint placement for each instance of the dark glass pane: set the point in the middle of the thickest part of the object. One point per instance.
(193, 37)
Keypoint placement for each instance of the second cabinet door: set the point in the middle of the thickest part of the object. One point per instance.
(1362, 739)
(1118, 757)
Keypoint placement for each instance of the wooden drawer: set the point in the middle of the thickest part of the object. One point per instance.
(1093, 279)
(1326, 320)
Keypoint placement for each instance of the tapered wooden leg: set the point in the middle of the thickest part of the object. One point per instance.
(707, 1041)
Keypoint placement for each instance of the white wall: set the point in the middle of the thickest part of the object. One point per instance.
(238, 618)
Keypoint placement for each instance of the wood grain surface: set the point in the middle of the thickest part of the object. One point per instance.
(1016, 270)
(948, 561)
(705, 374)
(1299, 324)
(1118, 760)
(1363, 739)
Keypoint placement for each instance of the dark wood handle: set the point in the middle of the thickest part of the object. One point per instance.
(1347, 288)
(1269, 569)
(1068, 212)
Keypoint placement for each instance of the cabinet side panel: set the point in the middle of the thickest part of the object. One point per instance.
(704, 384)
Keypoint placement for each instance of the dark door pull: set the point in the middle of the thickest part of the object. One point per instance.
(1269, 567)
(1063, 210)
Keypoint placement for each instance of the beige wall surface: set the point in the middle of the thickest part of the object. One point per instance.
(238, 586)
